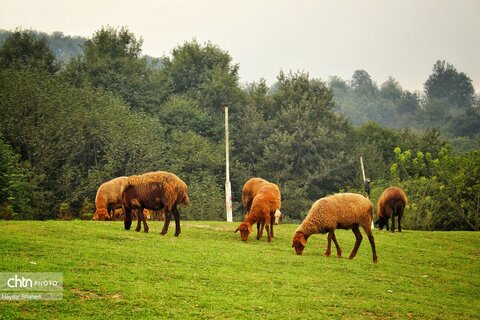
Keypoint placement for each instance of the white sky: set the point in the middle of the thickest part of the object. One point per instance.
(398, 38)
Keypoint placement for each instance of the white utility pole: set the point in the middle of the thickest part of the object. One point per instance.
(228, 186)
(363, 185)
(363, 170)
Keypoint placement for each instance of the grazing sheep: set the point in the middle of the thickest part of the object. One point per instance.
(155, 191)
(266, 201)
(339, 211)
(109, 197)
(391, 204)
(249, 190)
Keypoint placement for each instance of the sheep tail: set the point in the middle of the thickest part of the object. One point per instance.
(185, 201)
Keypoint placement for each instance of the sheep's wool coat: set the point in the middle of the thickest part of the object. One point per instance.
(339, 211)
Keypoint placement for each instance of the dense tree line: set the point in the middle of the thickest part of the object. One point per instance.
(110, 111)
(448, 104)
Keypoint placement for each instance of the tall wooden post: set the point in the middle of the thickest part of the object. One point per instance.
(363, 184)
(228, 186)
(363, 169)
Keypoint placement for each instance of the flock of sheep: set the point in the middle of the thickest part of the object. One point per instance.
(163, 190)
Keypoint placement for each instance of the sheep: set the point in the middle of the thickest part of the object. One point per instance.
(249, 190)
(391, 204)
(266, 201)
(339, 211)
(108, 198)
(155, 191)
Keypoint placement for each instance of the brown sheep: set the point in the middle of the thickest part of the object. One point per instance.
(266, 201)
(339, 211)
(391, 204)
(155, 191)
(109, 197)
(249, 190)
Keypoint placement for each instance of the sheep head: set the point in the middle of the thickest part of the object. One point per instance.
(245, 229)
(381, 222)
(299, 242)
(101, 214)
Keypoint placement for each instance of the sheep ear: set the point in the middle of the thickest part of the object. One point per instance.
(235, 231)
(303, 241)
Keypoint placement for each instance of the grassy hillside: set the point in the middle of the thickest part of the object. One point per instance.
(209, 273)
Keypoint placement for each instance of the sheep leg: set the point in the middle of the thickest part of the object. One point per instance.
(329, 244)
(368, 231)
(128, 218)
(339, 251)
(258, 230)
(331, 236)
(176, 215)
(267, 227)
(141, 218)
(399, 225)
(168, 217)
(358, 240)
(393, 223)
(386, 223)
(272, 222)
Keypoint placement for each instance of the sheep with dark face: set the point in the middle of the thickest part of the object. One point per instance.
(109, 198)
(266, 201)
(339, 211)
(155, 191)
(391, 204)
(249, 190)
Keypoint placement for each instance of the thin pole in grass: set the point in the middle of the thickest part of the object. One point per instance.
(364, 185)
(228, 186)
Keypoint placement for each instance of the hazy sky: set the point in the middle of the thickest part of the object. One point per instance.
(398, 38)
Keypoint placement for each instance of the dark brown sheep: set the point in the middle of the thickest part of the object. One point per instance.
(249, 190)
(155, 191)
(339, 211)
(266, 201)
(391, 204)
(109, 198)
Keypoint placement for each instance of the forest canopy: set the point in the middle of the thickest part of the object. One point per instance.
(71, 122)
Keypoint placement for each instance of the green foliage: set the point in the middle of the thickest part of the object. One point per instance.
(448, 104)
(443, 192)
(111, 61)
(447, 83)
(21, 49)
(20, 197)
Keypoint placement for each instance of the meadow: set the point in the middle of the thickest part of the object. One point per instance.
(209, 273)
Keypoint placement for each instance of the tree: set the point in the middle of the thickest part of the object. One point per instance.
(447, 83)
(112, 62)
(20, 196)
(362, 82)
(204, 72)
(22, 49)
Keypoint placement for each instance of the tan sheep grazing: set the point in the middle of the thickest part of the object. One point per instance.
(266, 201)
(249, 190)
(391, 204)
(339, 211)
(155, 191)
(109, 197)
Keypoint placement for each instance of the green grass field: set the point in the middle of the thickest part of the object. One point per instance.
(208, 272)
